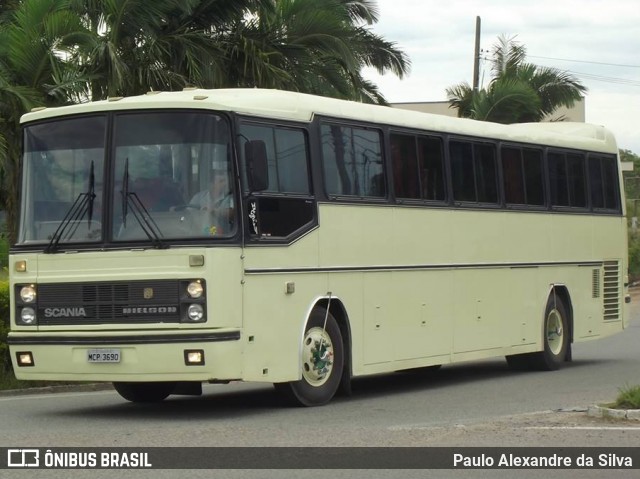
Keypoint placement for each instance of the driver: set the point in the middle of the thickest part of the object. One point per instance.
(217, 197)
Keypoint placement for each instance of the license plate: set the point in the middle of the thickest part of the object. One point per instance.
(103, 355)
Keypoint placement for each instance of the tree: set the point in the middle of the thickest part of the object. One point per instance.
(36, 36)
(54, 52)
(312, 46)
(136, 46)
(518, 91)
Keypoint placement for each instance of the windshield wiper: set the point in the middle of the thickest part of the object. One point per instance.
(140, 212)
(82, 206)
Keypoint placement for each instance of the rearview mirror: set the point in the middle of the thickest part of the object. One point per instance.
(255, 154)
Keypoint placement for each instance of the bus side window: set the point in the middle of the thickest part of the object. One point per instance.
(404, 159)
(431, 159)
(567, 178)
(352, 161)
(285, 205)
(514, 190)
(603, 182)
(462, 171)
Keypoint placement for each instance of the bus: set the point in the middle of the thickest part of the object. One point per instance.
(342, 240)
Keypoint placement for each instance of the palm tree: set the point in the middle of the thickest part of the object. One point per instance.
(313, 46)
(518, 91)
(35, 37)
(137, 46)
(54, 52)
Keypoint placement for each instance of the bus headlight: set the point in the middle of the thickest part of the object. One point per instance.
(28, 315)
(195, 289)
(195, 312)
(28, 293)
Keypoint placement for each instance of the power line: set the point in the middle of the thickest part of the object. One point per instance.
(586, 61)
(618, 81)
(592, 76)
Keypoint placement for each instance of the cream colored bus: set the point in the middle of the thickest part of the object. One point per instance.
(177, 238)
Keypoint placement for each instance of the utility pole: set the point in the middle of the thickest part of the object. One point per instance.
(476, 58)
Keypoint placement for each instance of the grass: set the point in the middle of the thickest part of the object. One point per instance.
(628, 398)
(8, 381)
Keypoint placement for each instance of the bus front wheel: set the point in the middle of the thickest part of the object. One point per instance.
(144, 392)
(322, 362)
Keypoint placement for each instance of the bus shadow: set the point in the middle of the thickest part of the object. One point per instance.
(218, 404)
(425, 379)
(242, 400)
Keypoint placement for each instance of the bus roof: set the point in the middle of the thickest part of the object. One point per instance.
(294, 106)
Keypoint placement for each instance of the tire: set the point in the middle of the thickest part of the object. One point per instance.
(555, 339)
(144, 392)
(555, 335)
(322, 363)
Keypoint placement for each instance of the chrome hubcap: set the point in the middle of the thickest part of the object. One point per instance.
(317, 357)
(555, 332)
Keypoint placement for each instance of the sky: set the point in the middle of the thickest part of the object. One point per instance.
(598, 41)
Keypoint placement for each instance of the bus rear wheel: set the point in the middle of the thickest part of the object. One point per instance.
(144, 392)
(322, 362)
(555, 340)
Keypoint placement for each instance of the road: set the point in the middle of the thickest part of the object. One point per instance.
(474, 404)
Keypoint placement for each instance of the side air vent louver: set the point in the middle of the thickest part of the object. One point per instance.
(595, 283)
(612, 295)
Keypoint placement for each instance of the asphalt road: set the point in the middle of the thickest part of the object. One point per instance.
(474, 404)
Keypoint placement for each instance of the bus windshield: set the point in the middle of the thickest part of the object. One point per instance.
(169, 173)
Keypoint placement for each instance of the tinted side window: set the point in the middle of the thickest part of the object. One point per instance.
(286, 157)
(352, 161)
(558, 180)
(522, 174)
(514, 189)
(486, 173)
(462, 171)
(567, 179)
(603, 183)
(432, 180)
(286, 207)
(474, 172)
(404, 159)
(533, 176)
(577, 180)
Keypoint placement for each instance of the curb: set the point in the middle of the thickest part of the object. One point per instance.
(609, 413)
(62, 388)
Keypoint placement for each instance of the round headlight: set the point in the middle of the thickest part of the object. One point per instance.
(28, 315)
(195, 289)
(195, 312)
(28, 294)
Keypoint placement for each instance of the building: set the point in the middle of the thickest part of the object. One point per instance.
(576, 113)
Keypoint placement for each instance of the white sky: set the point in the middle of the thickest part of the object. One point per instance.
(439, 36)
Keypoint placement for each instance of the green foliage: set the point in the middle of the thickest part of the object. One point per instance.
(631, 178)
(634, 258)
(5, 359)
(4, 252)
(55, 52)
(518, 92)
(628, 398)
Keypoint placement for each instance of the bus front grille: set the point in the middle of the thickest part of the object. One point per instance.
(131, 302)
